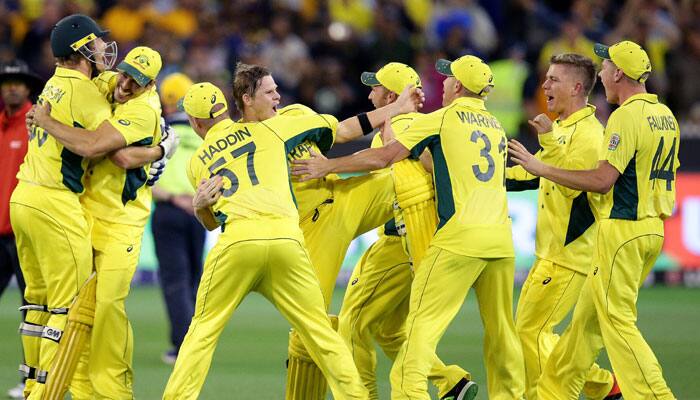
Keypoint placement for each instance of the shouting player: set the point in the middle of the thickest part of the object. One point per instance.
(331, 207)
(632, 191)
(564, 219)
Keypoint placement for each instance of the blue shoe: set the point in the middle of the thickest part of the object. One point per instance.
(463, 390)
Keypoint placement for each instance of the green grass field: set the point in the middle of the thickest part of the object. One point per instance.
(249, 362)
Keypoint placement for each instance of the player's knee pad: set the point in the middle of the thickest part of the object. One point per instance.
(305, 381)
(31, 331)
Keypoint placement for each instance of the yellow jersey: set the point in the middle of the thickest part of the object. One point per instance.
(312, 193)
(113, 193)
(257, 200)
(399, 124)
(468, 147)
(564, 215)
(75, 101)
(641, 141)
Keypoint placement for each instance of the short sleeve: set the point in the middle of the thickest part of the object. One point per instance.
(619, 143)
(136, 122)
(318, 128)
(106, 82)
(92, 108)
(418, 135)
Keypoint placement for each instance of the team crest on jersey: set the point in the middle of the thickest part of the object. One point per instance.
(614, 142)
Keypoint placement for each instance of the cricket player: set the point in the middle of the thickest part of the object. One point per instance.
(376, 301)
(473, 245)
(564, 219)
(119, 203)
(632, 192)
(51, 230)
(330, 207)
(242, 181)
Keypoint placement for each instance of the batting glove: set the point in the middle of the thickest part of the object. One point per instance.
(157, 168)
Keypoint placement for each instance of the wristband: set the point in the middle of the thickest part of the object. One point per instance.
(365, 124)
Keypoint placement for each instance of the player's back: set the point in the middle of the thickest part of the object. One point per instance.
(312, 193)
(75, 101)
(257, 200)
(468, 147)
(642, 142)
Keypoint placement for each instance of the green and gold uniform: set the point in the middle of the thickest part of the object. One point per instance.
(473, 246)
(641, 141)
(261, 249)
(119, 202)
(563, 243)
(51, 230)
(376, 301)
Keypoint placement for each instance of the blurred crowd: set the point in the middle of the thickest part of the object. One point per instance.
(317, 49)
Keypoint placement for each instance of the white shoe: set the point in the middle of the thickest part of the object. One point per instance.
(169, 357)
(17, 392)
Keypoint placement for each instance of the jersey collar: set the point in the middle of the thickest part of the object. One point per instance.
(577, 116)
(470, 102)
(220, 126)
(70, 73)
(648, 97)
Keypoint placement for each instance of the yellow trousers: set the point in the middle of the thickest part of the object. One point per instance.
(280, 270)
(375, 309)
(359, 204)
(53, 245)
(606, 315)
(105, 371)
(439, 288)
(547, 296)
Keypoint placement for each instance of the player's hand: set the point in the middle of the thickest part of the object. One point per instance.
(208, 192)
(29, 119)
(317, 166)
(42, 113)
(521, 156)
(156, 169)
(410, 100)
(541, 123)
(169, 140)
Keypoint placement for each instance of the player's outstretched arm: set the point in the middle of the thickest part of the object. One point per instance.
(410, 100)
(83, 142)
(599, 180)
(319, 166)
(208, 192)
